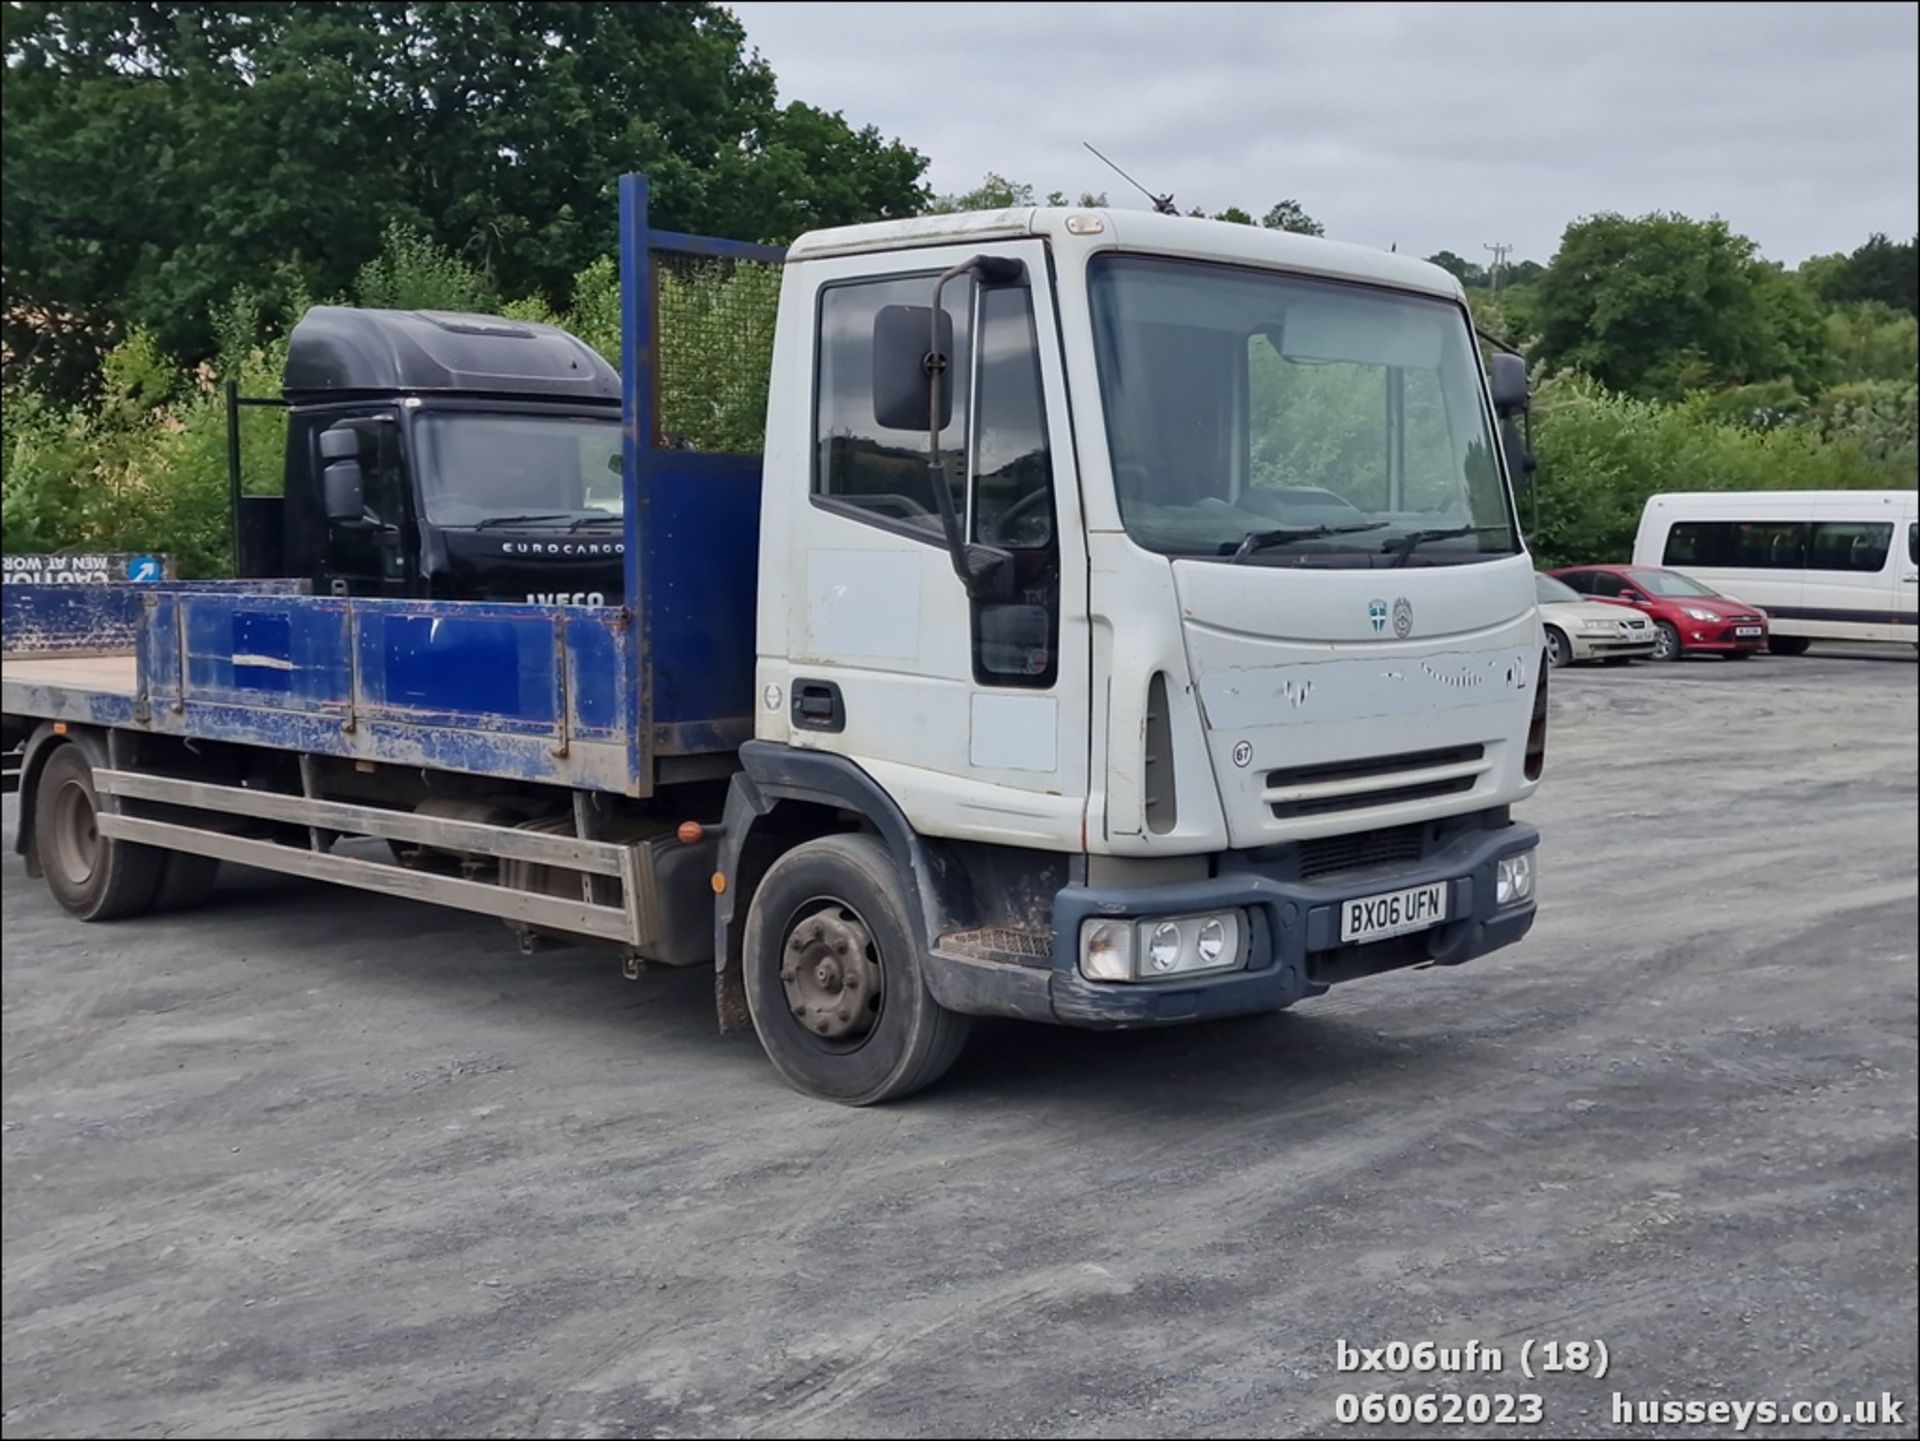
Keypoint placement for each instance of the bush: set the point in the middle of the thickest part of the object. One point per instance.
(1601, 456)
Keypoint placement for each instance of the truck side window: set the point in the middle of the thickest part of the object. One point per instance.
(1010, 504)
(861, 463)
(1012, 501)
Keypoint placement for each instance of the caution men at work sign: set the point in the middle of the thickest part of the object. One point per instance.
(98, 569)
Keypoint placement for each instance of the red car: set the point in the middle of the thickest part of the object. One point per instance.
(1689, 618)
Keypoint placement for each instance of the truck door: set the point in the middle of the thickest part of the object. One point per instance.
(972, 712)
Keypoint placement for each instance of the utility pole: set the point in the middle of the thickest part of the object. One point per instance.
(1500, 253)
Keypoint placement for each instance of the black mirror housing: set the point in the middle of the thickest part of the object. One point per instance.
(344, 491)
(341, 442)
(900, 334)
(990, 573)
(1508, 381)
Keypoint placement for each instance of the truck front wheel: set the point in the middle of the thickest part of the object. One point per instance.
(833, 977)
(91, 876)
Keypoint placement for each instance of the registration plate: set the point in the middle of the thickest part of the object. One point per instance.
(1744, 631)
(1373, 918)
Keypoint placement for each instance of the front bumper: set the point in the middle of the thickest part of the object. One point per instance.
(1604, 647)
(1719, 639)
(1293, 951)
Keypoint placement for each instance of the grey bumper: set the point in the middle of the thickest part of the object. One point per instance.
(1293, 950)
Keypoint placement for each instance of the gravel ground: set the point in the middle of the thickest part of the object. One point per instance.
(309, 1162)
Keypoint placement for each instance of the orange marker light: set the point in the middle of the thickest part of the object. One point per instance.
(719, 883)
(59, 728)
(689, 833)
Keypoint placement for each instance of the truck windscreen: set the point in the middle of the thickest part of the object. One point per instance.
(1283, 420)
(476, 465)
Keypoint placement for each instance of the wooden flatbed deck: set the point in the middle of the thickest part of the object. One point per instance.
(108, 674)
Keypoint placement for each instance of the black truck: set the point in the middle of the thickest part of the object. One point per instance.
(434, 455)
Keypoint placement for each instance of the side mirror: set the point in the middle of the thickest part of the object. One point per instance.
(989, 575)
(900, 334)
(1508, 380)
(342, 442)
(1521, 463)
(343, 489)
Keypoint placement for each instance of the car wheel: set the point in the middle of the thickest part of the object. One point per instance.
(1788, 644)
(1559, 652)
(834, 981)
(1666, 642)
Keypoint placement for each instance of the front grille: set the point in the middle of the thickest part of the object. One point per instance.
(1368, 800)
(1383, 768)
(1363, 766)
(1330, 855)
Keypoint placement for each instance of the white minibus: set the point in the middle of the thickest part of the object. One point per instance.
(1823, 564)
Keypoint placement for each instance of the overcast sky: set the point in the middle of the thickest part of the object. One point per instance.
(1433, 126)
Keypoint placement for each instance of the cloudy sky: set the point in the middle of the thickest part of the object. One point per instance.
(1433, 126)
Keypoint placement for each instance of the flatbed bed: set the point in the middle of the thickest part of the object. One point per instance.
(114, 675)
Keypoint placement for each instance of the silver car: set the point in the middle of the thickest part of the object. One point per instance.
(1579, 629)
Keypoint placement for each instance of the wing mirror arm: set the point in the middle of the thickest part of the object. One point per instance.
(985, 571)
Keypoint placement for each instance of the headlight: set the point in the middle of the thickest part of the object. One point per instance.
(1699, 614)
(1513, 879)
(1212, 941)
(1162, 949)
(1106, 950)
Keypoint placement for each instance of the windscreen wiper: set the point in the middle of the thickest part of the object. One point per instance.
(1406, 545)
(598, 518)
(494, 520)
(1267, 539)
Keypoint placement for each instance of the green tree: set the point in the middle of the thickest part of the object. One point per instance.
(1234, 215)
(994, 192)
(1879, 270)
(158, 154)
(1291, 215)
(1460, 268)
(1872, 341)
(1661, 305)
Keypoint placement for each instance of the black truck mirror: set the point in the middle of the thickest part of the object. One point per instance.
(1508, 379)
(340, 442)
(899, 367)
(344, 489)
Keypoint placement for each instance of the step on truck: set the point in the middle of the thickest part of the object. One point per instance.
(1123, 621)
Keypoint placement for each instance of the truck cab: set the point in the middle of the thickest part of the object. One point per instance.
(439, 455)
(1165, 576)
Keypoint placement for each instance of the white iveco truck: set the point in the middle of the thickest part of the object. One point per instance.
(1142, 633)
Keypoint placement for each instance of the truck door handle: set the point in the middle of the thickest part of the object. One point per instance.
(817, 706)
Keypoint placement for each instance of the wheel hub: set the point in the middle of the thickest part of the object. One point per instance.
(831, 972)
(75, 831)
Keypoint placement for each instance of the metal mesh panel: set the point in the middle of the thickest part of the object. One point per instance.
(714, 321)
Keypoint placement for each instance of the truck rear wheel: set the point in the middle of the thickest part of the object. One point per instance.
(91, 876)
(833, 977)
